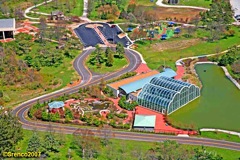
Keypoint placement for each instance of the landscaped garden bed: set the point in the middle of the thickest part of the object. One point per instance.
(82, 108)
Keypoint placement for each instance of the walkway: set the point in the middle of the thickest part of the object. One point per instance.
(180, 72)
(160, 3)
(130, 113)
(102, 36)
(30, 8)
(142, 68)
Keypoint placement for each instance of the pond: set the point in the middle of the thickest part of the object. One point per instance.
(218, 105)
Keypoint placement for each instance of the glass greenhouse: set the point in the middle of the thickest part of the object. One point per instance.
(166, 95)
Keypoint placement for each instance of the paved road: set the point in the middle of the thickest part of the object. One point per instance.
(87, 79)
(161, 4)
(30, 8)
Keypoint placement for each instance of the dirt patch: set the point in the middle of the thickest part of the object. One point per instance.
(174, 44)
(184, 15)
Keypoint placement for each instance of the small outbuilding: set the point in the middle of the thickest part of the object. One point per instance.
(144, 122)
(57, 15)
(7, 28)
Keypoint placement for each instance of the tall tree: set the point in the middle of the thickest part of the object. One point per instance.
(87, 143)
(10, 131)
(107, 51)
(120, 50)
(98, 54)
(42, 28)
(106, 134)
(110, 60)
(171, 150)
(34, 143)
(51, 144)
(202, 154)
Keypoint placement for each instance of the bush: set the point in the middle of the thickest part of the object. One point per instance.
(113, 123)
(121, 115)
(69, 114)
(126, 105)
(110, 116)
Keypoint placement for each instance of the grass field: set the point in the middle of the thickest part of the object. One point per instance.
(221, 136)
(218, 105)
(146, 2)
(63, 75)
(49, 7)
(198, 3)
(117, 65)
(156, 57)
(117, 146)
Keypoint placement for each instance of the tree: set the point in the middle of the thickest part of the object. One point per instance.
(10, 131)
(106, 134)
(171, 150)
(34, 143)
(98, 54)
(110, 59)
(202, 154)
(51, 144)
(42, 28)
(107, 51)
(88, 144)
(1, 93)
(102, 84)
(120, 50)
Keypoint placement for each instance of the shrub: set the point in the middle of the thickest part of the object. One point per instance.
(110, 116)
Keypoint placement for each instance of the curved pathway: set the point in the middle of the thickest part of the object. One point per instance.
(87, 79)
(161, 4)
(30, 8)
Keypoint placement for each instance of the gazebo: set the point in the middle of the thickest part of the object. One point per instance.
(55, 106)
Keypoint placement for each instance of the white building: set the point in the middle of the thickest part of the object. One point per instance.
(7, 28)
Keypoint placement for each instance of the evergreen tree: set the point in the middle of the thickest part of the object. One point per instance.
(34, 143)
(51, 144)
(98, 54)
(107, 51)
(109, 62)
(120, 50)
(10, 132)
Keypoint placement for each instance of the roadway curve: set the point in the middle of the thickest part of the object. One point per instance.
(161, 4)
(87, 79)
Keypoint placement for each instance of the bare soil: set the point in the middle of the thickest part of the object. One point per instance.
(175, 45)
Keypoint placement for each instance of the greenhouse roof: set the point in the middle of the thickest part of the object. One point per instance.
(163, 89)
(136, 85)
(56, 104)
(144, 120)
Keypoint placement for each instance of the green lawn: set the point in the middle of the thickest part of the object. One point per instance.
(198, 3)
(146, 2)
(156, 58)
(117, 65)
(218, 106)
(52, 78)
(221, 136)
(49, 7)
(117, 145)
